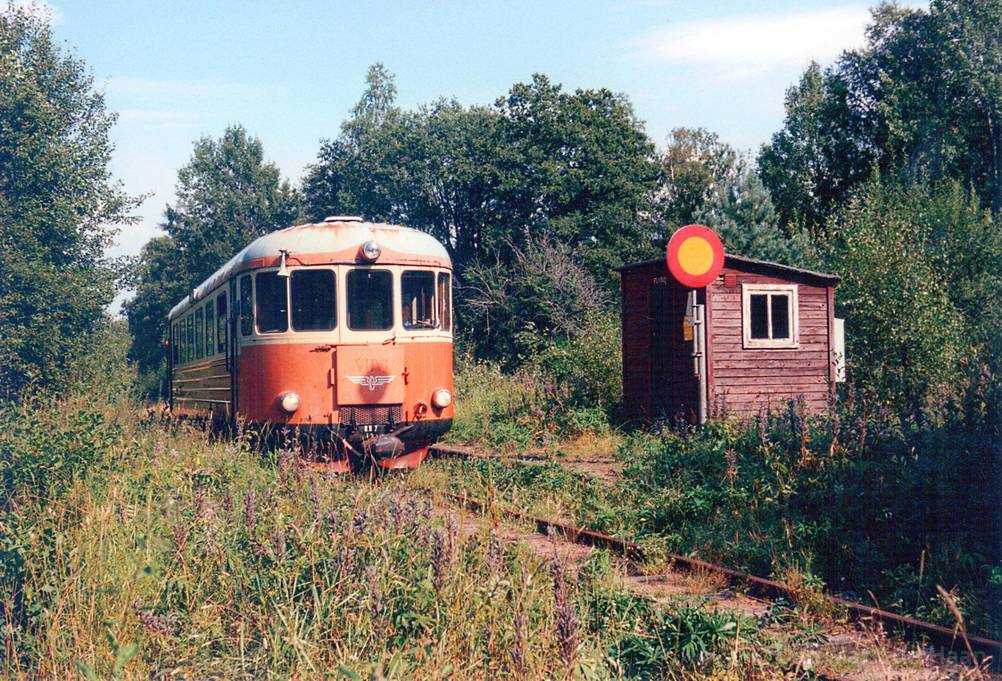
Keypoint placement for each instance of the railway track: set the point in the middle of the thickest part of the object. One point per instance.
(942, 639)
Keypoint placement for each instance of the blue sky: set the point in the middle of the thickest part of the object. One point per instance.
(290, 72)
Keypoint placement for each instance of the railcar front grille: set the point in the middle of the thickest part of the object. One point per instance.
(371, 415)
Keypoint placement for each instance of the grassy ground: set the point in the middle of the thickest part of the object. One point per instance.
(133, 552)
(785, 499)
(130, 551)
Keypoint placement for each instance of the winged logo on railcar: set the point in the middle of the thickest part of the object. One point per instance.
(371, 382)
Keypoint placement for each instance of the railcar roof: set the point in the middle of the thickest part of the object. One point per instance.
(330, 236)
(742, 263)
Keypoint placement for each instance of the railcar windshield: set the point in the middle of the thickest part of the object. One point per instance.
(313, 296)
(272, 303)
(418, 304)
(370, 300)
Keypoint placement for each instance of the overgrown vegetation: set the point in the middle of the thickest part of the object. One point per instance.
(861, 503)
(138, 552)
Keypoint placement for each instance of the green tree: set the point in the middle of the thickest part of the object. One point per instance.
(970, 36)
(921, 272)
(576, 168)
(921, 102)
(160, 280)
(705, 180)
(57, 205)
(430, 169)
(742, 213)
(692, 171)
(812, 163)
(227, 196)
(571, 166)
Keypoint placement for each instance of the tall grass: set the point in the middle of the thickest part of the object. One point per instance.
(531, 408)
(135, 552)
(862, 502)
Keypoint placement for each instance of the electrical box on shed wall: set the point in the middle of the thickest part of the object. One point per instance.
(839, 350)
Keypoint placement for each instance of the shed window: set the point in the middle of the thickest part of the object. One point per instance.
(271, 303)
(313, 306)
(769, 316)
(221, 322)
(370, 300)
(418, 304)
(246, 306)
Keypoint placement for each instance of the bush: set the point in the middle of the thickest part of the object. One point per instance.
(589, 362)
(920, 286)
(544, 295)
(46, 447)
(683, 637)
(862, 500)
(535, 406)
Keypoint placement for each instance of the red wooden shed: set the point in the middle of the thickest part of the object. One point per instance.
(758, 336)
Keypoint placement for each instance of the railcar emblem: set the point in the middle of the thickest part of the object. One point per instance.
(371, 382)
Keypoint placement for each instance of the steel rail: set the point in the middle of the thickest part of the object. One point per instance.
(949, 640)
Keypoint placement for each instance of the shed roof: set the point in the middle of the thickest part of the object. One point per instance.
(742, 263)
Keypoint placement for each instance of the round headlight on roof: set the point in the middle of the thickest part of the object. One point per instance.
(371, 250)
(288, 402)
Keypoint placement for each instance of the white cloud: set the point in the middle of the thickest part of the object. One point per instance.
(742, 45)
(124, 85)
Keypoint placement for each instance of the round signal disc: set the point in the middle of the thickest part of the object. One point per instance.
(695, 255)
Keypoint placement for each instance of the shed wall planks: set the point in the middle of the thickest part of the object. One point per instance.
(747, 381)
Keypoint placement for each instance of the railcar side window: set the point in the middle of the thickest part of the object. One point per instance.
(313, 306)
(174, 350)
(769, 316)
(210, 330)
(445, 301)
(181, 337)
(221, 323)
(246, 306)
(272, 307)
(418, 303)
(190, 335)
(370, 300)
(199, 333)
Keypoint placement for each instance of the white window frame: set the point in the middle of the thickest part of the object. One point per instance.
(790, 290)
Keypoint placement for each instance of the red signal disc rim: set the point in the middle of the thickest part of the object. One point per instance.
(695, 255)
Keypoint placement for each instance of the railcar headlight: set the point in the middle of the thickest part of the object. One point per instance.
(441, 398)
(288, 402)
(371, 250)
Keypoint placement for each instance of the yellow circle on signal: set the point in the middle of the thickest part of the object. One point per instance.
(695, 256)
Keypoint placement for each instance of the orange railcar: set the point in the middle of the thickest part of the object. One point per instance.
(338, 332)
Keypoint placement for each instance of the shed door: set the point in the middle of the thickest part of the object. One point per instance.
(674, 388)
